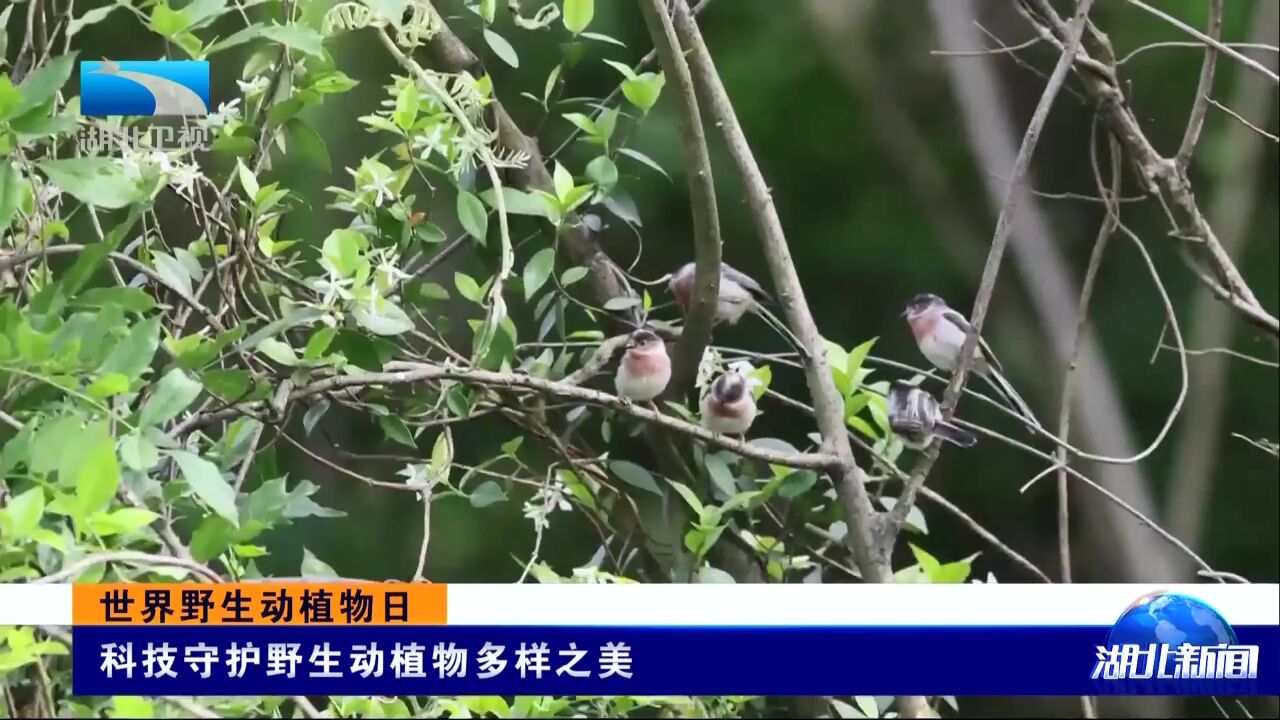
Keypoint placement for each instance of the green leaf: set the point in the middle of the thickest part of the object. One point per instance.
(573, 275)
(859, 353)
(25, 511)
(563, 181)
(641, 157)
(99, 476)
(247, 180)
(126, 706)
(395, 429)
(318, 343)
(279, 351)
(386, 319)
(95, 181)
(501, 48)
(406, 111)
(131, 299)
(519, 202)
(108, 384)
(644, 89)
(472, 215)
(307, 144)
(119, 522)
(334, 81)
(621, 303)
(688, 496)
(10, 180)
(40, 85)
(538, 270)
(229, 385)
(91, 17)
(172, 395)
(341, 251)
(634, 475)
(578, 14)
(138, 453)
(550, 84)
(167, 21)
(133, 354)
(603, 172)
(626, 70)
(467, 287)
(210, 538)
(315, 568)
(488, 493)
(208, 484)
(296, 37)
(721, 476)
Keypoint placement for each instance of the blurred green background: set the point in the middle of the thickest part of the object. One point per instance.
(855, 125)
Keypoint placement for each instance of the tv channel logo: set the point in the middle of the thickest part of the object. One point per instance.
(1176, 642)
(144, 87)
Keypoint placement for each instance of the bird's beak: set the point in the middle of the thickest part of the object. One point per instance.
(905, 312)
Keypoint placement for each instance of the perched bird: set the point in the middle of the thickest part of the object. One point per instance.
(915, 417)
(940, 333)
(729, 408)
(739, 294)
(645, 368)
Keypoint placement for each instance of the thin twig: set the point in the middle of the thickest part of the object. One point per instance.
(129, 557)
(1204, 87)
(1241, 119)
(1210, 41)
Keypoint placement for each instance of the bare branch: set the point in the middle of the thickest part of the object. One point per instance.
(1212, 42)
(1204, 87)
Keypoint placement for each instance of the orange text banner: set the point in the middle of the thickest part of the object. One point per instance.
(267, 603)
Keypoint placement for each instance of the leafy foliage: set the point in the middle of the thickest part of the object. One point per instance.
(155, 373)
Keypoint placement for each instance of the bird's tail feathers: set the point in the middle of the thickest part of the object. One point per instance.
(780, 328)
(956, 435)
(1005, 389)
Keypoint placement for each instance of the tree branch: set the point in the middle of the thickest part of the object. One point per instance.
(828, 405)
(1159, 176)
(699, 316)
(402, 373)
(1210, 40)
(1204, 88)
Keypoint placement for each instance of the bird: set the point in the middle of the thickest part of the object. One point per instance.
(645, 368)
(739, 294)
(940, 333)
(729, 408)
(914, 416)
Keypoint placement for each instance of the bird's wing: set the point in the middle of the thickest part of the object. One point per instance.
(744, 280)
(962, 322)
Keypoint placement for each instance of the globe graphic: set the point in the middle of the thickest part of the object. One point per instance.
(1173, 619)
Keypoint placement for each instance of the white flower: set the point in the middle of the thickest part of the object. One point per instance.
(254, 86)
(537, 514)
(47, 193)
(227, 112)
(183, 177)
(416, 476)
